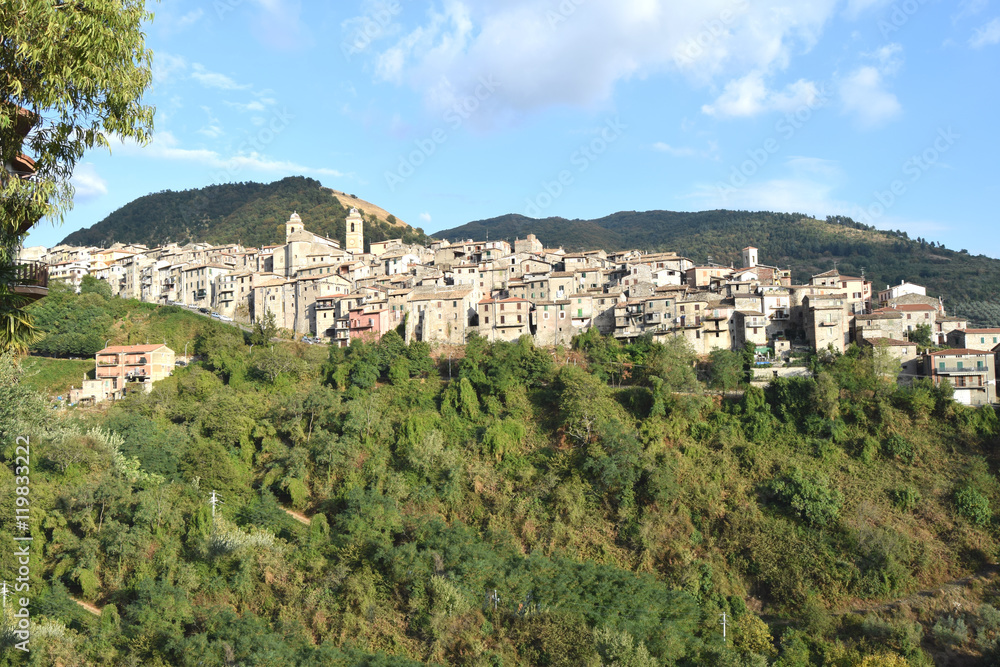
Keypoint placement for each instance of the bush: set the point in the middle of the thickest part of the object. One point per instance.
(809, 496)
(899, 447)
(950, 631)
(973, 505)
(906, 498)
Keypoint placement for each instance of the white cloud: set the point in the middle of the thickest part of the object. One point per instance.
(166, 65)
(687, 151)
(988, 35)
(166, 147)
(249, 106)
(190, 18)
(214, 79)
(862, 94)
(674, 151)
(969, 8)
(87, 183)
(425, 217)
(544, 53)
(214, 128)
(750, 96)
(807, 186)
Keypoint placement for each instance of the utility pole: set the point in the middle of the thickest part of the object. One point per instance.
(214, 501)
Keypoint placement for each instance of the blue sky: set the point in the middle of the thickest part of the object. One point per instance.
(455, 110)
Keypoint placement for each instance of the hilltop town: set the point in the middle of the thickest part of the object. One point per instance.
(446, 291)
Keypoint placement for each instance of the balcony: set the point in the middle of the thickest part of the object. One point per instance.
(963, 370)
(779, 315)
(31, 280)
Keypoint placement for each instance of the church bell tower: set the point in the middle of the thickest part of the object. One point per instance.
(355, 233)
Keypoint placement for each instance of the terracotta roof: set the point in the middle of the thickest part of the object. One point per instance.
(908, 307)
(959, 352)
(130, 349)
(981, 331)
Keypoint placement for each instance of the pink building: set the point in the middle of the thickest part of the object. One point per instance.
(369, 326)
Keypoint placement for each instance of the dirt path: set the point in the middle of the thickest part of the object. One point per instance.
(988, 573)
(89, 607)
(298, 516)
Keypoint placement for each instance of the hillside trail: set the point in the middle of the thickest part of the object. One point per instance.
(298, 516)
(86, 605)
(985, 575)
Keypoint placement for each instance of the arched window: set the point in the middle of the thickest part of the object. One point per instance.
(352, 226)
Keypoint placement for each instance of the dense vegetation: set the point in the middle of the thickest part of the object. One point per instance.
(79, 325)
(253, 214)
(597, 507)
(969, 283)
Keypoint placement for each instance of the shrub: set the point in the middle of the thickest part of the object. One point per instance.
(870, 449)
(809, 495)
(899, 447)
(973, 505)
(906, 498)
(950, 631)
(989, 617)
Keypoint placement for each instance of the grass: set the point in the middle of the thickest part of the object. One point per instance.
(54, 377)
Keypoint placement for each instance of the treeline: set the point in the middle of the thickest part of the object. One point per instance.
(600, 506)
(253, 214)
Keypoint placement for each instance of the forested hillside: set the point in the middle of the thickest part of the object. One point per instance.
(600, 507)
(969, 283)
(250, 213)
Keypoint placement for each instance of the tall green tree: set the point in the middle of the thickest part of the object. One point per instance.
(72, 75)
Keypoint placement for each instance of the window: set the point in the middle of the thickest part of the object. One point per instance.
(518, 319)
(961, 365)
(545, 315)
(487, 319)
(503, 320)
(562, 316)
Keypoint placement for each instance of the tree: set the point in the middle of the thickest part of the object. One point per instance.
(725, 371)
(73, 75)
(264, 330)
(921, 335)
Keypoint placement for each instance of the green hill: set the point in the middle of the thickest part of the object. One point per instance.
(250, 213)
(969, 283)
(530, 512)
